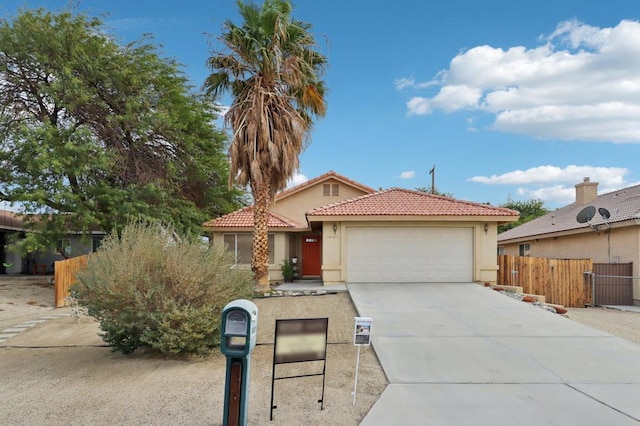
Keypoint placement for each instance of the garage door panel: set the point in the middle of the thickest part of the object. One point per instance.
(409, 254)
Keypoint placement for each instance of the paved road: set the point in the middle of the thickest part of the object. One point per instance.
(461, 354)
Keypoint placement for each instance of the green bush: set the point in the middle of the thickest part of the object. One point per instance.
(147, 288)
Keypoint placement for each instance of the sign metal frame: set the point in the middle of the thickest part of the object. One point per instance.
(299, 340)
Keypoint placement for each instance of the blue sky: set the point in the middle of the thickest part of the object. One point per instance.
(508, 99)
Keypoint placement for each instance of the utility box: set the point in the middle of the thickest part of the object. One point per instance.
(239, 330)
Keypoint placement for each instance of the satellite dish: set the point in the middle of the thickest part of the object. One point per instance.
(586, 214)
(604, 213)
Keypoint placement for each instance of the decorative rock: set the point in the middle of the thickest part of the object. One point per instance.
(554, 309)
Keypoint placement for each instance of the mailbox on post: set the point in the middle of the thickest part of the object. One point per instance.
(238, 339)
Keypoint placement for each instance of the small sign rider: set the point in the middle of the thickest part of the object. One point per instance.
(361, 337)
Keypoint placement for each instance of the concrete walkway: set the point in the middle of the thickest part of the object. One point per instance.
(461, 354)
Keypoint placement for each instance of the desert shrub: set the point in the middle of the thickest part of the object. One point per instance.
(148, 288)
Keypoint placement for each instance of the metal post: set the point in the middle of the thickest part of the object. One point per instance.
(355, 385)
(432, 172)
(593, 289)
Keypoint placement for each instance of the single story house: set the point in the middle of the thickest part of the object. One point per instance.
(10, 223)
(11, 226)
(339, 230)
(559, 234)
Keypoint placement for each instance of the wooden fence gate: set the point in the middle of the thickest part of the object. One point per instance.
(65, 277)
(613, 283)
(561, 281)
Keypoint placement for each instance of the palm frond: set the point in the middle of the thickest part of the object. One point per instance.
(273, 70)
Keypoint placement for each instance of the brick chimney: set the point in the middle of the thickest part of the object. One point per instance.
(586, 192)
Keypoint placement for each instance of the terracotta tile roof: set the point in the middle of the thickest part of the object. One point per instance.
(330, 174)
(623, 204)
(10, 220)
(244, 219)
(405, 202)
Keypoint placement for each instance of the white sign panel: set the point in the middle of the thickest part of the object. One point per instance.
(362, 331)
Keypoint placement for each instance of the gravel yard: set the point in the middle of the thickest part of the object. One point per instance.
(625, 324)
(58, 372)
(618, 322)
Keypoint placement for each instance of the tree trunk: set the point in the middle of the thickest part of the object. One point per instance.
(260, 258)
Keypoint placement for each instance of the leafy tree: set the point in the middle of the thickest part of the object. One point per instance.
(93, 132)
(271, 68)
(529, 210)
(436, 191)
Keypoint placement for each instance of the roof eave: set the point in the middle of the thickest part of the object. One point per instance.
(323, 178)
(563, 233)
(407, 218)
(218, 229)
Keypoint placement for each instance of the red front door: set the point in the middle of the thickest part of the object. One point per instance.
(311, 254)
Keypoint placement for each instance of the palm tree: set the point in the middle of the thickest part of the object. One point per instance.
(273, 73)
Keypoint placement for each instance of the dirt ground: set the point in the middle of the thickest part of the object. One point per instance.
(623, 324)
(59, 372)
(24, 296)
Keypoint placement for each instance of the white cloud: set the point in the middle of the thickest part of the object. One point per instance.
(402, 83)
(582, 83)
(578, 35)
(418, 106)
(407, 175)
(222, 110)
(296, 179)
(556, 185)
(556, 194)
(609, 176)
(410, 82)
(454, 97)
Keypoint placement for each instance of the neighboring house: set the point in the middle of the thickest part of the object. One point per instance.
(341, 231)
(560, 235)
(10, 223)
(41, 262)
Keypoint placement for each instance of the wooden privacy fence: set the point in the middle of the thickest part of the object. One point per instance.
(560, 281)
(65, 276)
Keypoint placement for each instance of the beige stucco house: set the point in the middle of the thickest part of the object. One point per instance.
(341, 231)
(560, 235)
(41, 262)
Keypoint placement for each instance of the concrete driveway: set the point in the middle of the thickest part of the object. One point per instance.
(462, 354)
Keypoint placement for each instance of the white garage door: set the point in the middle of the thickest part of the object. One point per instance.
(409, 255)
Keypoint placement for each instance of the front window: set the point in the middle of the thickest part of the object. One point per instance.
(524, 249)
(241, 246)
(500, 250)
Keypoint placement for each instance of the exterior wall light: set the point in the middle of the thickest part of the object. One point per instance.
(335, 228)
(486, 228)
